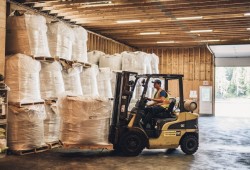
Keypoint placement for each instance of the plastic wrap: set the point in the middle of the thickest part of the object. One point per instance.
(137, 62)
(22, 76)
(85, 120)
(51, 80)
(25, 127)
(51, 123)
(27, 34)
(114, 62)
(72, 81)
(155, 64)
(113, 80)
(89, 81)
(61, 38)
(79, 52)
(94, 56)
(104, 82)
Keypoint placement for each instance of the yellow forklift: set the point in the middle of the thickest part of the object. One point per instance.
(128, 136)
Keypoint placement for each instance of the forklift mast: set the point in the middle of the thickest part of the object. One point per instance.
(123, 94)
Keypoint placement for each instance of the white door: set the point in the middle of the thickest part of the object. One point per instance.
(206, 104)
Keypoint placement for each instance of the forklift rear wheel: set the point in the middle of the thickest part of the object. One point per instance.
(189, 144)
(132, 143)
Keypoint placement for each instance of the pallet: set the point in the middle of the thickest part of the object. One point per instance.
(30, 151)
(85, 65)
(48, 59)
(89, 147)
(70, 63)
(50, 101)
(19, 104)
(56, 144)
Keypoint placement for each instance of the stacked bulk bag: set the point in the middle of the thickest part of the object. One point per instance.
(155, 64)
(27, 34)
(114, 62)
(22, 76)
(113, 80)
(89, 81)
(137, 62)
(25, 127)
(94, 56)
(79, 52)
(85, 120)
(51, 123)
(72, 80)
(104, 82)
(51, 80)
(61, 38)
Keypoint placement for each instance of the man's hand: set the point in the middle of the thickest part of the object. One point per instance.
(149, 99)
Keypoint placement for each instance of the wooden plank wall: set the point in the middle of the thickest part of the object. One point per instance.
(197, 65)
(106, 45)
(2, 34)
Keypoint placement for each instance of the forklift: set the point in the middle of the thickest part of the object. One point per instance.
(130, 137)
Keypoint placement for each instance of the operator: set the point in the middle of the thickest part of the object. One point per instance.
(160, 103)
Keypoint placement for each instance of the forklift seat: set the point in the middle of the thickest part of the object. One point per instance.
(166, 116)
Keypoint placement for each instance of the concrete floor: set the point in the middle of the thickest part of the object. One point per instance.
(224, 144)
(234, 107)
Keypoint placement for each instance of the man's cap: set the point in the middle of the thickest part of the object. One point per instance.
(157, 81)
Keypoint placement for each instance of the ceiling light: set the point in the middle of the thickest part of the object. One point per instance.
(248, 29)
(98, 3)
(149, 33)
(189, 18)
(209, 40)
(165, 42)
(127, 21)
(200, 31)
(247, 14)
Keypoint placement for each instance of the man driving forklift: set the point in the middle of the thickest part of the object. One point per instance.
(130, 138)
(160, 103)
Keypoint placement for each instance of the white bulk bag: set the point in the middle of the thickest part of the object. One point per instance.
(72, 81)
(51, 80)
(27, 34)
(51, 123)
(136, 62)
(104, 82)
(114, 62)
(79, 52)
(89, 81)
(94, 56)
(25, 127)
(155, 64)
(61, 38)
(82, 115)
(22, 76)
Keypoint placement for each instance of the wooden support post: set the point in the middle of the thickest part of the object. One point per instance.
(2, 35)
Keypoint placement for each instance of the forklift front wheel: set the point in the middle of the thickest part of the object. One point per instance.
(132, 143)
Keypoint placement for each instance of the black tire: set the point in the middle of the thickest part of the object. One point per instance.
(132, 143)
(189, 144)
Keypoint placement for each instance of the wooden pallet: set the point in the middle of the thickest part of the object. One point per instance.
(19, 104)
(85, 65)
(47, 59)
(90, 147)
(56, 144)
(51, 101)
(30, 151)
(69, 63)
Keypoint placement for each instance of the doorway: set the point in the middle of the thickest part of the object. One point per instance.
(232, 91)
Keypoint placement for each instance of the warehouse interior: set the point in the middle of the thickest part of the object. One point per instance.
(60, 60)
